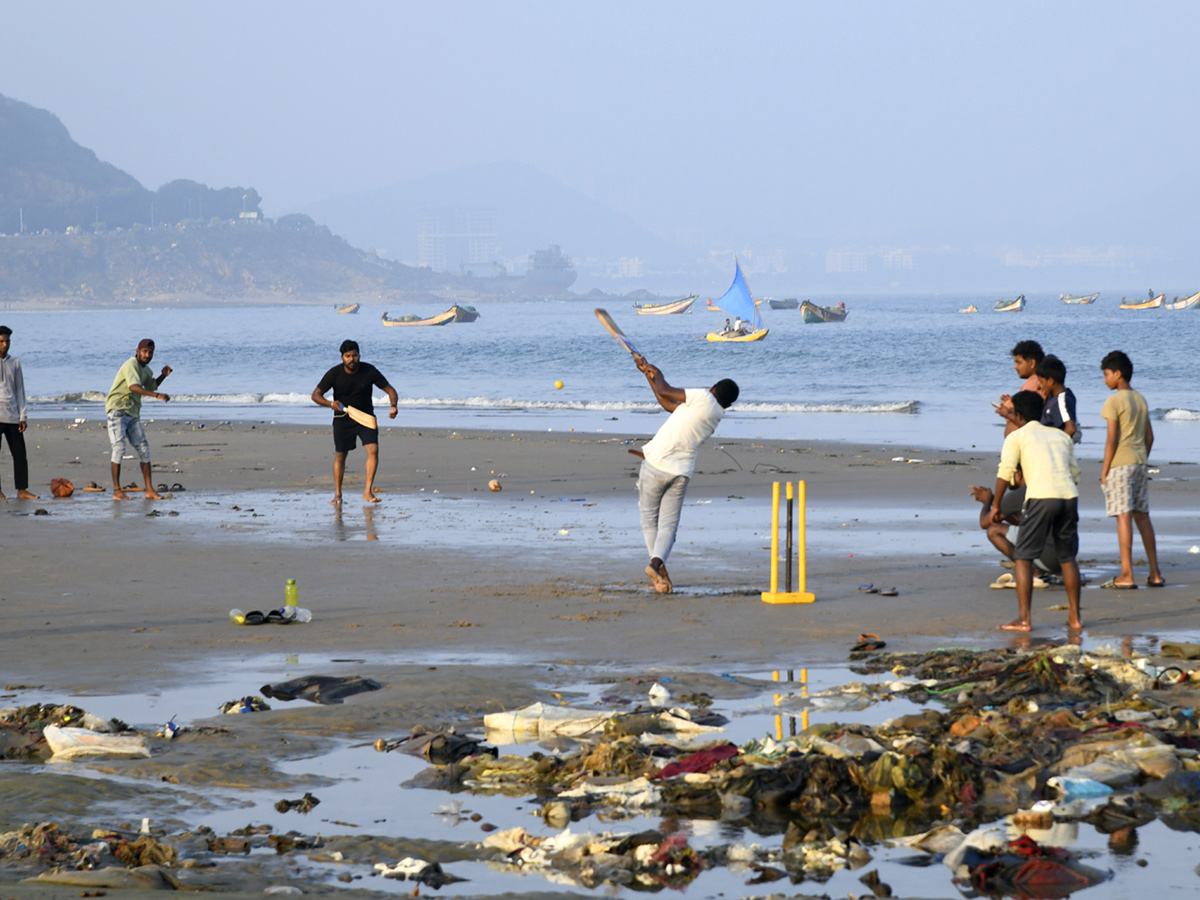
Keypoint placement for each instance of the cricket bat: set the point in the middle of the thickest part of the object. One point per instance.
(607, 321)
(361, 417)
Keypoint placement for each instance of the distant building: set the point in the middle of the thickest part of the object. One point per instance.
(451, 239)
(845, 261)
(627, 268)
(897, 259)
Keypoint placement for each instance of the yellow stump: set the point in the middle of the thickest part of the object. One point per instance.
(800, 595)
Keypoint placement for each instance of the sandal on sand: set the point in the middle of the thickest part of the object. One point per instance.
(276, 617)
(92, 487)
(867, 643)
(178, 487)
(1159, 583)
(889, 592)
(1005, 581)
(868, 589)
(1111, 585)
(162, 487)
(254, 617)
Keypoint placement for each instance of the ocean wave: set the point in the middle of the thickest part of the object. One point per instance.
(1181, 415)
(501, 403)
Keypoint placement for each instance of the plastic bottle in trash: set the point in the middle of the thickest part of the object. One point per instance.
(291, 594)
(237, 617)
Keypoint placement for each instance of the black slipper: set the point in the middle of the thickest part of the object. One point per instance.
(162, 487)
(276, 617)
(254, 617)
(178, 487)
(1159, 583)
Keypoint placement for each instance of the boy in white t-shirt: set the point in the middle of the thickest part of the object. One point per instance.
(670, 458)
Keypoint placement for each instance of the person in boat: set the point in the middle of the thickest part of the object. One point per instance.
(123, 408)
(739, 326)
(669, 460)
(12, 415)
(1047, 458)
(728, 328)
(351, 381)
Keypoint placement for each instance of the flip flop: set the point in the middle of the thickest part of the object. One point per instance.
(888, 592)
(1159, 583)
(1004, 581)
(1111, 585)
(868, 589)
(254, 617)
(178, 487)
(92, 487)
(867, 643)
(275, 617)
(162, 487)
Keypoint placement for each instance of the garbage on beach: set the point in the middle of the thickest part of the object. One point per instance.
(326, 689)
(540, 720)
(70, 743)
(244, 705)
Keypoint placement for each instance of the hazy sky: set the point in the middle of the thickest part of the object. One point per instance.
(912, 122)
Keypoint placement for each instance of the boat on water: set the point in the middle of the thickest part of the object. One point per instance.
(347, 310)
(411, 321)
(1073, 299)
(1192, 302)
(1152, 303)
(789, 303)
(739, 302)
(713, 307)
(814, 314)
(674, 308)
(465, 313)
(1010, 305)
(970, 309)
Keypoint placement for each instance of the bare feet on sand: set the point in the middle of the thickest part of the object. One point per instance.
(1017, 625)
(659, 577)
(152, 494)
(370, 497)
(25, 495)
(337, 500)
(119, 494)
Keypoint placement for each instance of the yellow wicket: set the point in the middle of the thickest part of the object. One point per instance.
(788, 595)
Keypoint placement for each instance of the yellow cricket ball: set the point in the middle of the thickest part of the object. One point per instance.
(558, 385)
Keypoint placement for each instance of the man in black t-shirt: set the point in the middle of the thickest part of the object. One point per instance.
(352, 382)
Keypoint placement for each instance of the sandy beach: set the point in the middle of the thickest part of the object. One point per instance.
(102, 589)
(444, 577)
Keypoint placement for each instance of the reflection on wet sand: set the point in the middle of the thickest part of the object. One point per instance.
(343, 532)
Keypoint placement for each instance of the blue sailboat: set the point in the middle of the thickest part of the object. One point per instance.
(738, 301)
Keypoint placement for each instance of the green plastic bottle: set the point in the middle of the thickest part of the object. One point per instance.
(291, 595)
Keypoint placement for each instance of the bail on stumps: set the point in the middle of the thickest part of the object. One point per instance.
(787, 595)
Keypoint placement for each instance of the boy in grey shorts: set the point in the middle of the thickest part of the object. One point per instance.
(1123, 474)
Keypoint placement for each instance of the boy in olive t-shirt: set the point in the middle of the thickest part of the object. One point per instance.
(1123, 473)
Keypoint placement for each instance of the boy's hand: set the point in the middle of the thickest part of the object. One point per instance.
(166, 370)
(981, 494)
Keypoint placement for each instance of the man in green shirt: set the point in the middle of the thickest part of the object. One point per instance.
(134, 381)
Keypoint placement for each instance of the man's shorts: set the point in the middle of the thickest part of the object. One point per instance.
(1049, 519)
(122, 426)
(346, 430)
(1125, 490)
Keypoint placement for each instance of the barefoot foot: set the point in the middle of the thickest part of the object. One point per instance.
(119, 494)
(1017, 625)
(152, 494)
(25, 495)
(370, 498)
(336, 501)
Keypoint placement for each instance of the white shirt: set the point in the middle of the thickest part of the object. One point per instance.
(673, 449)
(12, 390)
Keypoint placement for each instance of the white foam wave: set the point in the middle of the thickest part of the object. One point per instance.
(503, 403)
(1181, 415)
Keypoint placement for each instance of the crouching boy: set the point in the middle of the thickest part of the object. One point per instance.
(1047, 459)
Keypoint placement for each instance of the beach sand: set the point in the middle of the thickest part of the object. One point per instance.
(112, 591)
(444, 577)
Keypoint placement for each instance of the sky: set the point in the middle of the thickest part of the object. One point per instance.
(916, 124)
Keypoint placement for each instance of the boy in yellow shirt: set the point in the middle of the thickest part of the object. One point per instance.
(1123, 473)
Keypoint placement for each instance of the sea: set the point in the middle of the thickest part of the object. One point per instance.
(901, 371)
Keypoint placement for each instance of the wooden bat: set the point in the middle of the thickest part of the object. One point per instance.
(607, 321)
(361, 417)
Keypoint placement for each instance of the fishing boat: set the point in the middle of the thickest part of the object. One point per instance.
(1152, 303)
(739, 302)
(1192, 302)
(444, 318)
(347, 310)
(464, 313)
(674, 308)
(789, 303)
(814, 314)
(713, 307)
(1010, 305)
(970, 309)
(1073, 299)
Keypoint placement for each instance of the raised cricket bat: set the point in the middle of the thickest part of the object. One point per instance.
(361, 417)
(607, 321)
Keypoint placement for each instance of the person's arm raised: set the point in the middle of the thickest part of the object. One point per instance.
(668, 397)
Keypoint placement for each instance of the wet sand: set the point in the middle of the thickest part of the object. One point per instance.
(462, 601)
(548, 569)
